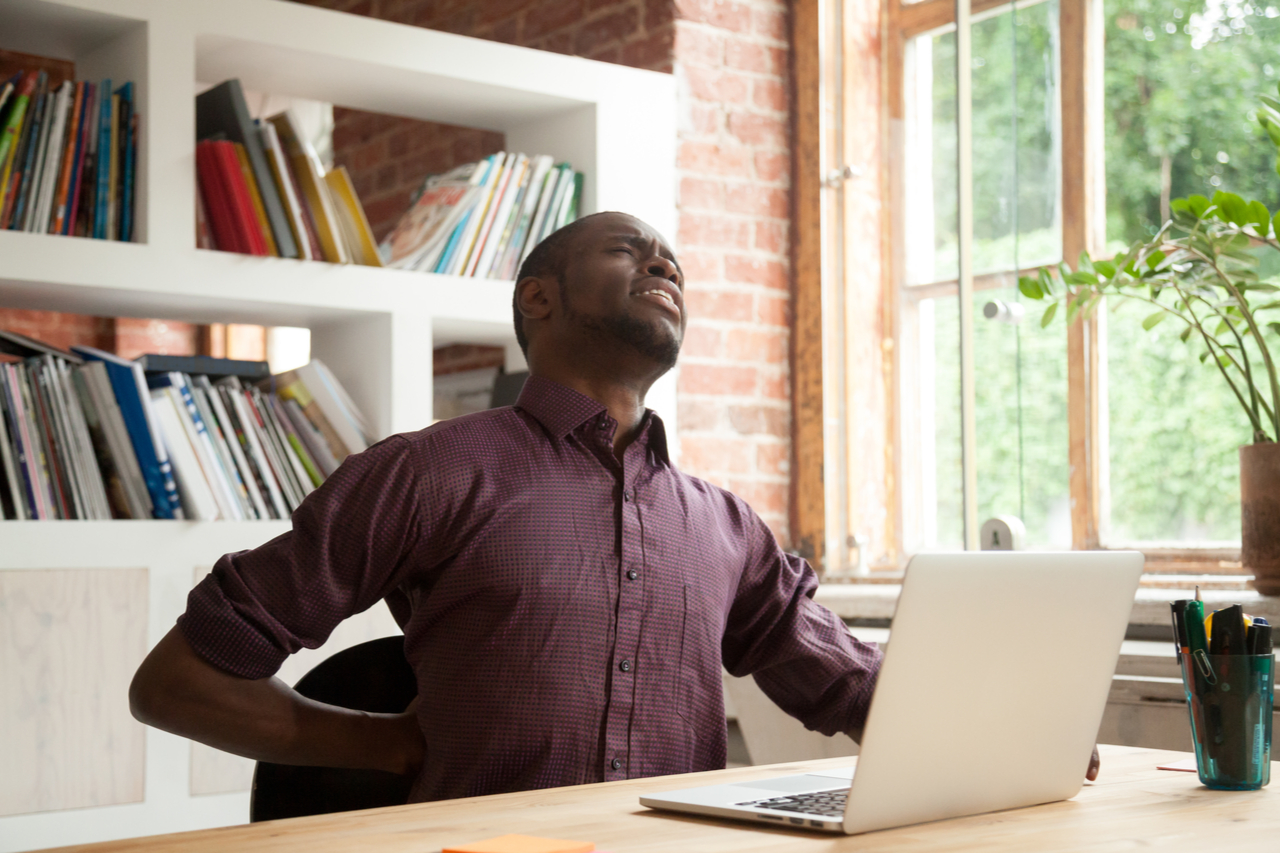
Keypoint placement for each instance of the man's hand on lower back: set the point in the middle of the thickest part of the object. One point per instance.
(408, 736)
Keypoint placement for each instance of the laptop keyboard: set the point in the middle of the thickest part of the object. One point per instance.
(826, 803)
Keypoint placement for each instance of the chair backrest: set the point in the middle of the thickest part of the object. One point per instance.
(372, 676)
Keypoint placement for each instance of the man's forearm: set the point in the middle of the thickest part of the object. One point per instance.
(264, 719)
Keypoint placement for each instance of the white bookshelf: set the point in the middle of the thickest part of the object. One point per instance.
(375, 328)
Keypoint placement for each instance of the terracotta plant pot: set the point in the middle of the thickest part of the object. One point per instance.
(1260, 515)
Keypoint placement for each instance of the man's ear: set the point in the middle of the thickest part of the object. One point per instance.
(535, 297)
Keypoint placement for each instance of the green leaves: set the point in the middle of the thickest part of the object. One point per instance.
(1259, 217)
(1048, 315)
(1195, 204)
(1231, 208)
(1030, 288)
(1154, 320)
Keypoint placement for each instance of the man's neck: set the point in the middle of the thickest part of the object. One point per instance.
(624, 400)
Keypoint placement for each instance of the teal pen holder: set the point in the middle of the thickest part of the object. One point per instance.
(1229, 699)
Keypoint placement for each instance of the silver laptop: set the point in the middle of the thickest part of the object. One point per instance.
(992, 690)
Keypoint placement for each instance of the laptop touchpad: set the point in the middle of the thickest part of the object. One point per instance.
(789, 784)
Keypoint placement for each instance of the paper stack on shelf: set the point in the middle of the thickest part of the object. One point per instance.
(88, 435)
(482, 219)
(68, 151)
(261, 190)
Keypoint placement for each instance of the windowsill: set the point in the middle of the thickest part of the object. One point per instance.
(875, 601)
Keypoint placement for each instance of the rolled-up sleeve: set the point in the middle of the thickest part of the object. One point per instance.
(350, 543)
(801, 654)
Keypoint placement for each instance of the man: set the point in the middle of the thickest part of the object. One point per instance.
(567, 595)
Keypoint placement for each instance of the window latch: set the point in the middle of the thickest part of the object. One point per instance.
(836, 177)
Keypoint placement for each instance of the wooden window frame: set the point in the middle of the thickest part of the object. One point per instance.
(820, 100)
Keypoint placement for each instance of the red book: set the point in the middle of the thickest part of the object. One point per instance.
(246, 218)
(217, 201)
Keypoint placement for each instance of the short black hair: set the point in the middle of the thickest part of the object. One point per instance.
(547, 260)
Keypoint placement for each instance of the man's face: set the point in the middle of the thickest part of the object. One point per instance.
(622, 282)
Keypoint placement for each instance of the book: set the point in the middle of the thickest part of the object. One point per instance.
(116, 434)
(102, 167)
(67, 167)
(255, 201)
(310, 175)
(10, 142)
(116, 490)
(134, 400)
(290, 195)
(498, 222)
(221, 113)
(26, 181)
(196, 494)
(228, 430)
(234, 395)
(51, 167)
(361, 246)
(421, 233)
(128, 154)
(204, 365)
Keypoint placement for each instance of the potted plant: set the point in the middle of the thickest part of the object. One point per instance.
(1201, 270)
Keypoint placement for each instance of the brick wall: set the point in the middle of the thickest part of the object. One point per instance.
(735, 169)
(731, 58)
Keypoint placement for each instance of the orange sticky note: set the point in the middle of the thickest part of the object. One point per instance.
(523, 844)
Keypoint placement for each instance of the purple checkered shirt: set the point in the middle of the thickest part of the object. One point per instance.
(566, 614)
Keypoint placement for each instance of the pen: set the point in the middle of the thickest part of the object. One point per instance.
(1179, 609)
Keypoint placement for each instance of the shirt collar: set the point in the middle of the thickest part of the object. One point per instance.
(561, 410)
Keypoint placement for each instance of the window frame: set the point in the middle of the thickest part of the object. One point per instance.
(824, 472)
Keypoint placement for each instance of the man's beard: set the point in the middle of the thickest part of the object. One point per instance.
(650, 340)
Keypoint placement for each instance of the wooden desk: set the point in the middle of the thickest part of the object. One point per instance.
(1132, 806)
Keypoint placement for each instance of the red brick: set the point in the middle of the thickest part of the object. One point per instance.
(775, 385)
(760, 420)
(608, 29)
(769, 23)
(699, 46)
(658, 14)
(612, 53)
(716, 85)
(558, 43)
(756, 345)
(701, 341)
(701, 194)
(699, 415)
(755, 129)
(713, 453)
(749, 56)
(719, 305)
(773, 168)
(495, 11)
(755, 200)
(459, 357)
(719, 13)
(710, 230)
(767, 499)
(653, 52)
(719, 380)
(773, 310)
(700, 268)
(706, 119)
(711, 159)
(771, 237)
(774, 459)
(550, 16)
(770, 94)
(506, 32)
(747, 270)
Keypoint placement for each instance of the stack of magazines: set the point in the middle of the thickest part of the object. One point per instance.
(89, 435)
(261, 189)
(68, 154)
(483, 218)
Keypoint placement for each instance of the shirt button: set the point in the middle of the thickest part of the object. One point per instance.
(625, 666)
(632, 574)
(616, 764)
(626, 496)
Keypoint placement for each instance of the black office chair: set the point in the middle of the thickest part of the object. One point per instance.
(372, 676)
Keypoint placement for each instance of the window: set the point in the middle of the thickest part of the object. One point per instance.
(1088, 117)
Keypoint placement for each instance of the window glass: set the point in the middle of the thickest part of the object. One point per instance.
(1182, 84)
(1016, 154)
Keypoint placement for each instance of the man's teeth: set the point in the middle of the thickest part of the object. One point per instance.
(663, 294)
